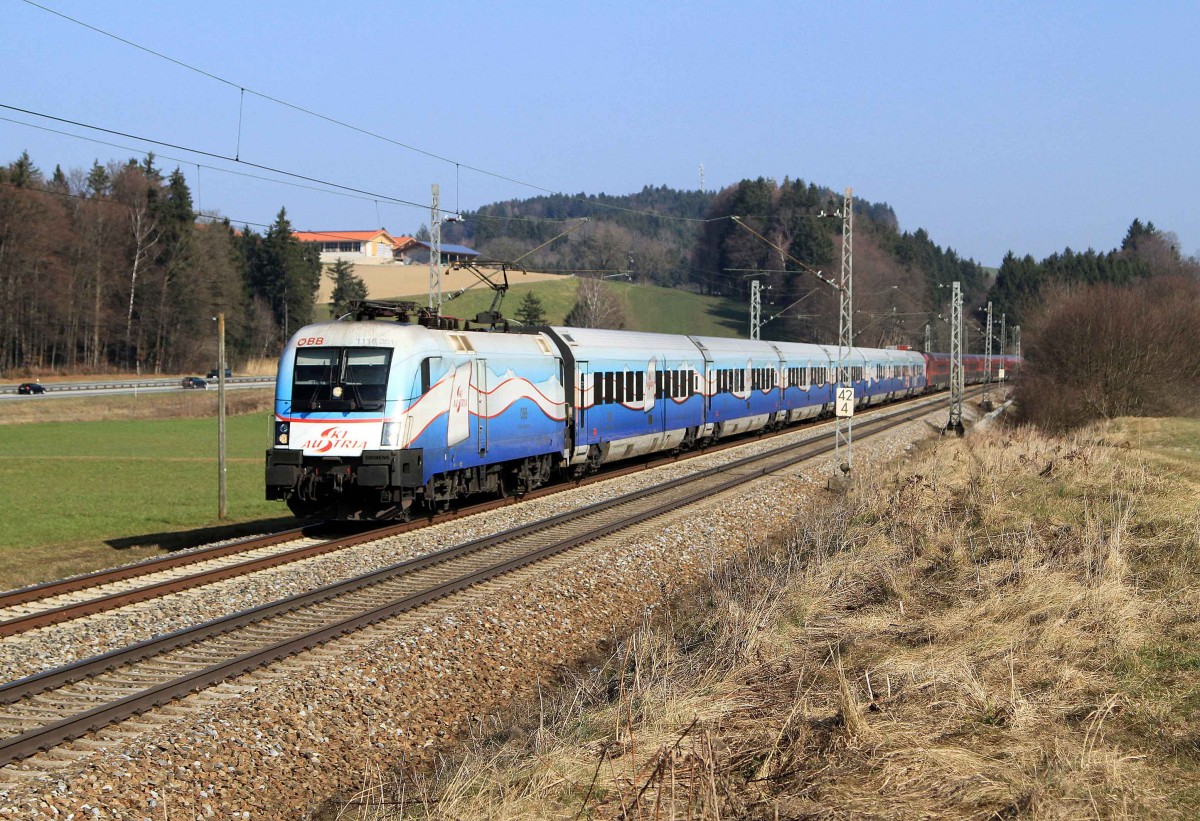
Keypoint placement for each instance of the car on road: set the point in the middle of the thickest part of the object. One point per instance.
(194, 382)
(213, 373)
(30, 388)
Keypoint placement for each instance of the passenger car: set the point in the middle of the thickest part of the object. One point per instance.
(214, 373)
(30, 388)
(194, 382)
(374, 420)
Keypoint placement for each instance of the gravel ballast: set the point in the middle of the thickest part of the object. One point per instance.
(276, 743)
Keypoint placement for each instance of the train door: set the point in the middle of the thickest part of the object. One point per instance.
(581, 403)
(481, 404)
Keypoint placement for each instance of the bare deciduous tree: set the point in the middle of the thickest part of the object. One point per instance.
(596, 306)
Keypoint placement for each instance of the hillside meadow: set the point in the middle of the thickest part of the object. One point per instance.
(646, 307)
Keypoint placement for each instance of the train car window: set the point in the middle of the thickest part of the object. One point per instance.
(619, 384)
(366, 374)
(313, 374)
(460, 343)
(426, 373)
(640, 386)
(597, 388)
(608, 387)
(629, 386)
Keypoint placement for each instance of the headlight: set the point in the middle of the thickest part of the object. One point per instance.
(390, 437)
(281, 433)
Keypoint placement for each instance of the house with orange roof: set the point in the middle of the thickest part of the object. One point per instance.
(359, 247)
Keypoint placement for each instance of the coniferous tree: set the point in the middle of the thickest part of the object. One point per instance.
(347, 287)
(23, 173)
(531, 312)
(98, 180)
(284, 273)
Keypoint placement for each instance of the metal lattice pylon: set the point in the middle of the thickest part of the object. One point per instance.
(435, 249)
(987, 361)
(755, 309)
(844, 431)
(956, 368)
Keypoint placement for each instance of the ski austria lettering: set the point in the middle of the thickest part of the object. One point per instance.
(379, 419)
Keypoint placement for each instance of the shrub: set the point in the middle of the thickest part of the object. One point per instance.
(1104, 351)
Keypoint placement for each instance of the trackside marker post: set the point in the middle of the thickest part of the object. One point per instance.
(844, 407)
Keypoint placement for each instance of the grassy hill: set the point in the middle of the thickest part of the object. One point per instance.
(647, 307)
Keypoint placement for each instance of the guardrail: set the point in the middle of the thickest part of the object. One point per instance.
(139, 383)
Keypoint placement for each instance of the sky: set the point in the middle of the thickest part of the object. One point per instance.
(1029, 127)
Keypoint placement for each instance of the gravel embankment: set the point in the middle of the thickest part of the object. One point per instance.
(274, 744)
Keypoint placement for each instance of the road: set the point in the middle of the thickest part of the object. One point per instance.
(55, 390)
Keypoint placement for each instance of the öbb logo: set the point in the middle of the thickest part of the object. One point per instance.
(332, 439)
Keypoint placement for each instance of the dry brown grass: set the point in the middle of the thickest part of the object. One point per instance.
(170, 405)
(972, 635)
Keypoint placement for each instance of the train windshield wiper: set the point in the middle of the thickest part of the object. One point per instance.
(359, 402)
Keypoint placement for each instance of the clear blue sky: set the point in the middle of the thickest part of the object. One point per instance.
(1023, 126)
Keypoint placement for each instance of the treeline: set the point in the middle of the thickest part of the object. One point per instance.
(619, 238)
(789, 238)
(1106, 334)
(1022, 283)
(111, 269)
(788, 230)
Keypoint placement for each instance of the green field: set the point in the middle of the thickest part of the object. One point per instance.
(91, 494)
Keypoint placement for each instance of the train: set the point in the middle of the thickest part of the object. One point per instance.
(380, 420)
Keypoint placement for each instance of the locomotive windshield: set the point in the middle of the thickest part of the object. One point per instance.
(340, 379)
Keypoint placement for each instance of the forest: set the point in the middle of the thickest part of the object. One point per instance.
(112, 269)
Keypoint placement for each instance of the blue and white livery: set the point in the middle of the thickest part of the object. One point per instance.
(375, 418)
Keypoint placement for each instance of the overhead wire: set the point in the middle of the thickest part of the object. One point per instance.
(187, 161)
(201, 152)
(803, 265)
(243, 90)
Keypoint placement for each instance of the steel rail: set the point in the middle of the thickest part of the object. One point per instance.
(102, 603)
(33, 741)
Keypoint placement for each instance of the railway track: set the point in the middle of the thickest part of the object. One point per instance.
(54, 602)
(42, 711)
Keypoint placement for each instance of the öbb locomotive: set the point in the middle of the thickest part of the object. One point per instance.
(378, 420)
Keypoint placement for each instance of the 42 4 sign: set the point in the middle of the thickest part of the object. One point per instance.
(844, 406)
